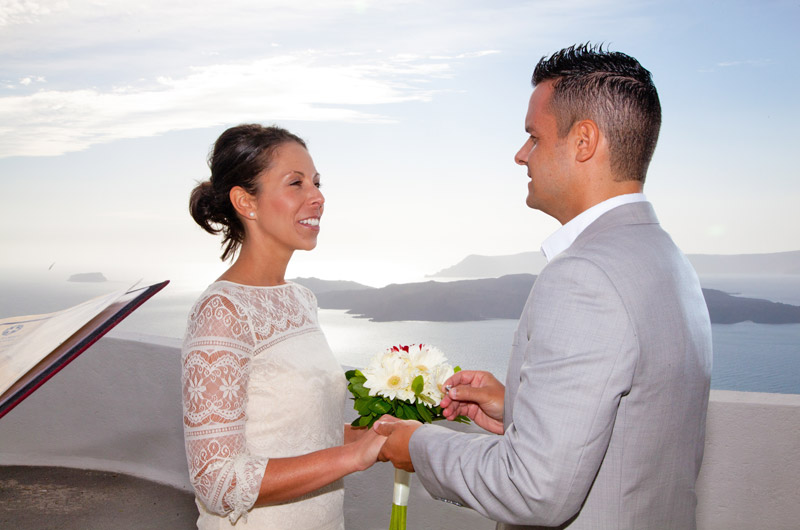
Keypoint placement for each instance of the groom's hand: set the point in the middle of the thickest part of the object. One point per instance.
(396, 446)
(477, 395)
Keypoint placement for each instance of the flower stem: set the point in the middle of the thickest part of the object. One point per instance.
(398, 521)
(402, 480)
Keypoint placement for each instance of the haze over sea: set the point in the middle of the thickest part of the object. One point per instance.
(747, 356)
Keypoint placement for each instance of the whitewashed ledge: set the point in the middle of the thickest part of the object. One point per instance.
(117, 408)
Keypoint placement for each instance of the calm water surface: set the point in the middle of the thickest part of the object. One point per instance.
(747, 357)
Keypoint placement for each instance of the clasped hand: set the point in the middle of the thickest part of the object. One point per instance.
(475, 394)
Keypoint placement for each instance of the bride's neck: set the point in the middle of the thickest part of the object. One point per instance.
(257, 268)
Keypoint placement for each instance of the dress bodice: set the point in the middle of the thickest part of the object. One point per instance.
(259, 382)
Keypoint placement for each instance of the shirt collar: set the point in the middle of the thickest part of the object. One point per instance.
(561, 239)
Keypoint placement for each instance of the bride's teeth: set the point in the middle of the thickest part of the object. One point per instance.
(310, 222)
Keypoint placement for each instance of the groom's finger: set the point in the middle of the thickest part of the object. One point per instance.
(464, 377)
(386, 418)
(467, 393)
(385, 428)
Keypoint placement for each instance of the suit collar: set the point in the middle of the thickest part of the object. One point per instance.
(627, 214)
(637, 213)
(564, 237)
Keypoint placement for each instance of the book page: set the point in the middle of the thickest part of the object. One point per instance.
(24, 341)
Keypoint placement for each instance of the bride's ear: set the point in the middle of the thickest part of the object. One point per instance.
(243, 202)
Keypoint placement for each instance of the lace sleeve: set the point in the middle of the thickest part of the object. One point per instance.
(216, 368)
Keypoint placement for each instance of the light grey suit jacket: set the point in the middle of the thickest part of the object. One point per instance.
(606, 393)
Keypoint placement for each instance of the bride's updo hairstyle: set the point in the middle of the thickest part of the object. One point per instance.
(240, 155)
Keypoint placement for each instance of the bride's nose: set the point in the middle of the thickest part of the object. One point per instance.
(317, 198)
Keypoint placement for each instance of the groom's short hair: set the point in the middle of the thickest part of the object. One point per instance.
(613, 90)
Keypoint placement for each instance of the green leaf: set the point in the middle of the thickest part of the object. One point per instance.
(401, 413)
(424, 413)
(456, 369)
(359, 390)
(418, 384)
(380, 407)
(365, 421)
(410, 413)
(350, 373)
(362, 405)
(426, 399)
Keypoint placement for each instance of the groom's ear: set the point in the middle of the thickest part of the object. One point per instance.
(243, 202)
(585, 137)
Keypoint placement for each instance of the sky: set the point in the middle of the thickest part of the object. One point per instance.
(412, 112)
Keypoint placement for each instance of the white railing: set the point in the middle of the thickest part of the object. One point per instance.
(117, 408)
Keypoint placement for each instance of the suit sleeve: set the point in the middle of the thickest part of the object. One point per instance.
(579, 355)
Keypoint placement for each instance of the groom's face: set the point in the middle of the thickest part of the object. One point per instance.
(544, 154)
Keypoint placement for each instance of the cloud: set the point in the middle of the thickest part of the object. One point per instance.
(748, 62)
(25, 81)
(311, 86)
(123, 69)
(13, 12)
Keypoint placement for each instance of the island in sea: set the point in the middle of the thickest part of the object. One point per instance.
(478, 266)
(501, 298)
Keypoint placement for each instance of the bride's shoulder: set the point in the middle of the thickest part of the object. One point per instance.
(224, 296)
(303, 291)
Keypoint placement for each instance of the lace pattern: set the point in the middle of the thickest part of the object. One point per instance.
(254, 359)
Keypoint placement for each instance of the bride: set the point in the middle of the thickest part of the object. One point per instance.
(263, 396)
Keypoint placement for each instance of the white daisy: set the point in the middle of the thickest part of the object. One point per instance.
(434, 384)
(424, 358)
(389, 378)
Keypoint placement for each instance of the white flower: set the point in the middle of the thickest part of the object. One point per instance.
(387, 357)
(389, 377)
(424, 359)
(434, 385)
(391, 373)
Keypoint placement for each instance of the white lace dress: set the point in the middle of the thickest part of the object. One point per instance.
(259, 381)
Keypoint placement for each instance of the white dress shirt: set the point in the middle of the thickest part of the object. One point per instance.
(561, 239)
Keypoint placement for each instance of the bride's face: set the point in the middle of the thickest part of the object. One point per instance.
(289, 204)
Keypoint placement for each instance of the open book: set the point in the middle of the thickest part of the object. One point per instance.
(34, 348)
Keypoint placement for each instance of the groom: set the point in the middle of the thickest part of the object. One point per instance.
(602, 421)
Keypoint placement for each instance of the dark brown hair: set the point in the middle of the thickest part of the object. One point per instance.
(240, 155)
(614, 91)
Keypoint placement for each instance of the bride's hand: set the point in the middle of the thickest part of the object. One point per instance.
(366, 448)
(353, 434)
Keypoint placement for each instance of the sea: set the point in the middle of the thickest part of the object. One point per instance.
(747, 357)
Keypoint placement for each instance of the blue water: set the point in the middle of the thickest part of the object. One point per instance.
(747, 357)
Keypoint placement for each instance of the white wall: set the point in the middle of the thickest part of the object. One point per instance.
(750, 477)
(117, 408)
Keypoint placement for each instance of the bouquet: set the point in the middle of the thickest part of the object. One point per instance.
(406, 382)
